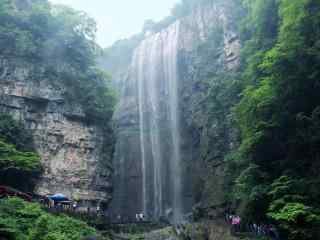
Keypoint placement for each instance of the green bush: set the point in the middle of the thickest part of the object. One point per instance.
(289, 207)
(15, 133)
(19, 164)
(10, 157)
(27, 221)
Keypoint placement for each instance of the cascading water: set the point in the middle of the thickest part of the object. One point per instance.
(171, 69)
(154, 67)
(152, 137)
(139, 60)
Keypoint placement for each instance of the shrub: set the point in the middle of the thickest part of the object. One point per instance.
(27, 221)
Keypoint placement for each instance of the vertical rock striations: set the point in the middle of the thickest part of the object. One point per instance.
(71, 149)
(161, 119)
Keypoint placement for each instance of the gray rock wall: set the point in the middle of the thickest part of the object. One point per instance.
(208, 64)
(70, 149)
(210, 46)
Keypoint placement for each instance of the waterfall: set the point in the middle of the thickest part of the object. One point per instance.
(172, 76)
(139, 60)
(154, 68)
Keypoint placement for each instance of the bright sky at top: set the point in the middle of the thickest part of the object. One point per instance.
(118, 19)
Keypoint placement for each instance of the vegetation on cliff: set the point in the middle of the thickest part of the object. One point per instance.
(10, 157)
(19, 163)
(276, 166)
(27, 221)
(60, 42)
(59, 45)
(273, 101)
(14, 132)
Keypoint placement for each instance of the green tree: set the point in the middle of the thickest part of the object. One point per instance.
(19, 163)
(27, 221)
(289, 207)
(278, 113)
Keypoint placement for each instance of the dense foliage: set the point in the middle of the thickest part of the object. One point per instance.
(10, 157)
(61, 43)
(19, 163)
(27, 221)
(14, 132)
(277, 164)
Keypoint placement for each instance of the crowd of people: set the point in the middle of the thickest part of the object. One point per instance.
(260, 230)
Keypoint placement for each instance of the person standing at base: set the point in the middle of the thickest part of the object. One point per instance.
(74, 206)
(98, 208)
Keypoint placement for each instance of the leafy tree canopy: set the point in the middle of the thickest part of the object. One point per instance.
(278, 115)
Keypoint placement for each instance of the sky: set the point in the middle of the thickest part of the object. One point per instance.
(118, 19)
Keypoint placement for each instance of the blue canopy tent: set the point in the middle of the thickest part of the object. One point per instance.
(58, 197)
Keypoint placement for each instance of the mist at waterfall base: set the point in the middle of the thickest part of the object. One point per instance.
(156, 169)
(153, 62)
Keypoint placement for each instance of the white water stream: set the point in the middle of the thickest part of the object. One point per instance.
(154, 67)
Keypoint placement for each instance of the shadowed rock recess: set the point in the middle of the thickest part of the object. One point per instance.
(161, 125)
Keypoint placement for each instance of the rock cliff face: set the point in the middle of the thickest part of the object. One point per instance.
(209, 58)
(207, 44)
(70, 148)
